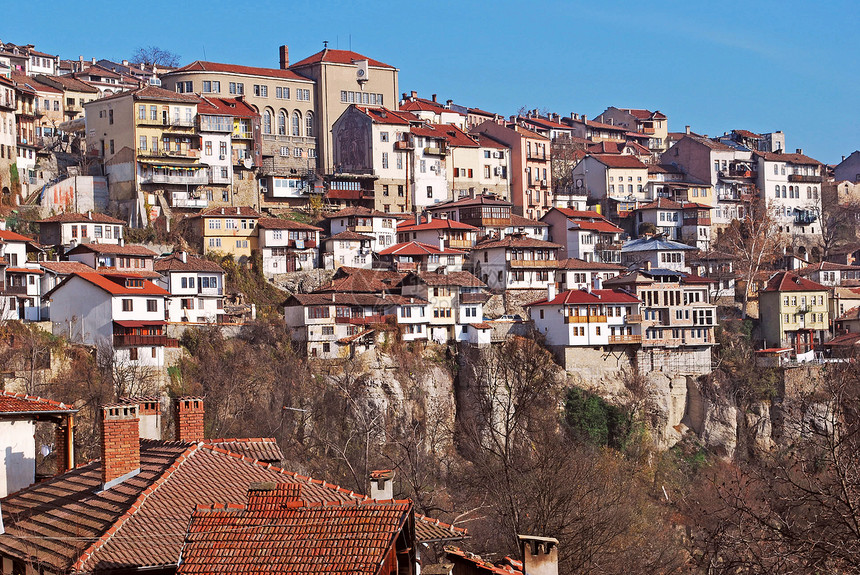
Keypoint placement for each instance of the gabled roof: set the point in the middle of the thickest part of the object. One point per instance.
(708, 143)
(74, 217)
(788, 158)
(653, 243)
(155, 93)
(424, 105)
(234, 107)
(520, 221)
(513, 241)
(459, 279)
(350, 236)
(619, 161)
(331, 56)
(358, 211)
(747, 134)
(201, 66)
(65, 268)
(278, 531)
(420, 249)
(579, 214)
(336, 298)
(236, 211)
(112, 284)
(578, 264)
(667, 204)
(642, 114)
(192, 263)
(68, 83)
(580, 296)
(382, 115)
(8, 236)
(434, 224)
(124, 250)
(787, 281)
(348, 279)
(477, 200)
(259, 448)
(284, 224)
(20, 404)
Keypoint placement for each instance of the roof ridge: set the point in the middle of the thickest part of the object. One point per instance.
(87, 553)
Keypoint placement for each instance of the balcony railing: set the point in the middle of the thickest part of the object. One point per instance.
(162, 153)
(243, 136)
(737, 173)
(633, 318)
(130, 340)
(166, 123)
(805, 218)
(459, 244)
(435, 151)
(14, 290)
(804, 179)
(189, 202)
(403, 146)
(534, 263)
(697, 221)
(585, 319)
(171, 179)
(625, 339)
(534, 156)
(362, 320)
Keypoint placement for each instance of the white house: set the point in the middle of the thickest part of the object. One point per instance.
(20, 280)
(586, 317)
(575, 273)
(121, 313)
(430, 230)
(348, 248)
(196, 287)
(430, 176)
(584, 234)
(116, 257)
(381, 227)
(516, 262)
(686, 222)
(288, 246)
(416, 256)
(618, 181)
(456, 301)
(655, 252)
(70, 229)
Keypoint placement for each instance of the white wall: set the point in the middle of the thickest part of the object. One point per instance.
(17, 455)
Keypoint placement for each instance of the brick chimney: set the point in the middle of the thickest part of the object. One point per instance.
(285, 57)
(149, 413)
(382, 484)
(64, 444)
(120, 444)
(189, 419)
(540, 555)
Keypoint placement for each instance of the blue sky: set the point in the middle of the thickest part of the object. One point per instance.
(716, 66)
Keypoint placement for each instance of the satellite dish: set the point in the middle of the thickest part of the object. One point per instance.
(247, 163)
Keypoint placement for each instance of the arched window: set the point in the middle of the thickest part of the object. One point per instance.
(777, 190)
(808, 192)
(267, 122)
(783, 192)
(297, 120)
(309, 125)
(282, 123)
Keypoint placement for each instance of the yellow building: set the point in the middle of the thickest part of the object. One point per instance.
(794, 312)
(228, 230)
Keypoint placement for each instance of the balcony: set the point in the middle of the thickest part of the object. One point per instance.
(742, 173)
(8, 103)
(13, 290)
(805, 218)
(403, 146)
(200, 178)
(536, 157)
(585, 319)
(168, 124)
(550, 264)
(243, 136)
(473, 298)
(131, 340)
(633, 318)
(804, 179)
(362, 320)
(697, 221)
(440, 151)
(625, 339)
(161, 153)
(459, 244)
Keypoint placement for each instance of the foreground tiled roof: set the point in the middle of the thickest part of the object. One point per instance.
(348, 279)
(619, 161)
(72, 217)
(578, 264)
(350, 236)
(787, 281)
(112, 287)
(520, 221)
(788, 158)
(417, 249)
(435, 224)
(259, 448)
(65, 268)
(279, 532)
(69, 523)
(242, 211)
(358, 211)
(14, 403)
(9, 236)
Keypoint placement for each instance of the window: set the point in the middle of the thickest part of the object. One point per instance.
(267, 122)
(207, 148)
(237, 88)
(309, 125)
(296, 124)
(261, 90)
(429, 191)
(383, 136)
(282, 123)
(285, 151)
(211, 87)
(110, 116)
(127, 305)
(282, 93)
(143, 143)
(151, 305)
(385, 160)
(141, 112)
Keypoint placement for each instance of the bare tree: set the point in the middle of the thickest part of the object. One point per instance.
(155, 56)
(756, 240)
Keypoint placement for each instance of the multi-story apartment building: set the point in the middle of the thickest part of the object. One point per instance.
(288, 246)
(794, 312)
(416, 256)
(730, 172)
(27, 144)
(654, 124)
(431, 111)
(584, 234)
(456, 303)
(69, 229)
(148, 143)
(677, 320)
(587, 318)
(430, 230)
(671, 183)
(348, 248)
(372, 148)
(530, 167)
(592, 131)
(226, 230)
(47, 104)
(687, 222)
(792, 185)
(75, 94)
(289, 126)
(656, 252)
(196, 287)
(342, 78)
(8, 139)
(491, 215)
(574, 273)
(616, 182)
(515, 262)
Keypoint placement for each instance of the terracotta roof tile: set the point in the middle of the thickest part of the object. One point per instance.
(22, 403)
(237, 211)
(434, 224)
(73, 217)
(579, 296)
(338, 57)
(125, 250)
(201, 66)
(516, 242)
(787, 281)
(460, 279)
(348, 279)
(619, 161)
(174, 263)
(414, 248)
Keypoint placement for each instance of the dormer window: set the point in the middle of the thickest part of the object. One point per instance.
(134, 283)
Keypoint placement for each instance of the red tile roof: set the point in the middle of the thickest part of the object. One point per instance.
(7, 236)
(579, 296)
(201, 66)
(477, 200)
(386, 116)
(424, 105)
(747, 134)
(348, 279)
(154, 93)
(417, 249)
(358, 211)
(108, 284)
(788, 158)
(348, 235)
(279, 532)
(339, 57)
(516, 242)
(578, 264)
(460, 279)
(243, 211)
(787, 281)
(226, 107)
(192, 263)
(486, 141)
(20, 403)
(434, 224)
(667, 204)
(65, 268)
(520, 221)
(284, 224)
(601, 226)
(125, 250)
(73, 217)
(619, 161)
(259, 448)
(641, 114)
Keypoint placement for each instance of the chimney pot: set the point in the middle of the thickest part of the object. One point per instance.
(382, 484)
(584, 118)
(550, 291)
(189, 419)
(414, 94)
(125, 62)
(686, 129)
(540, 555)
(285, 57)
(433, 97)
(94, 60)
(799, 150)
(149, 414)
(120, 436)
(183, 255)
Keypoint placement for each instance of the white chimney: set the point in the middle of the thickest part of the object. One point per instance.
(597, 281)
(550, 291)
(441, 242)
(540, 555)
(3, 225)
(382, 484)
(183, 255)
(429, 217)
(686, 129)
